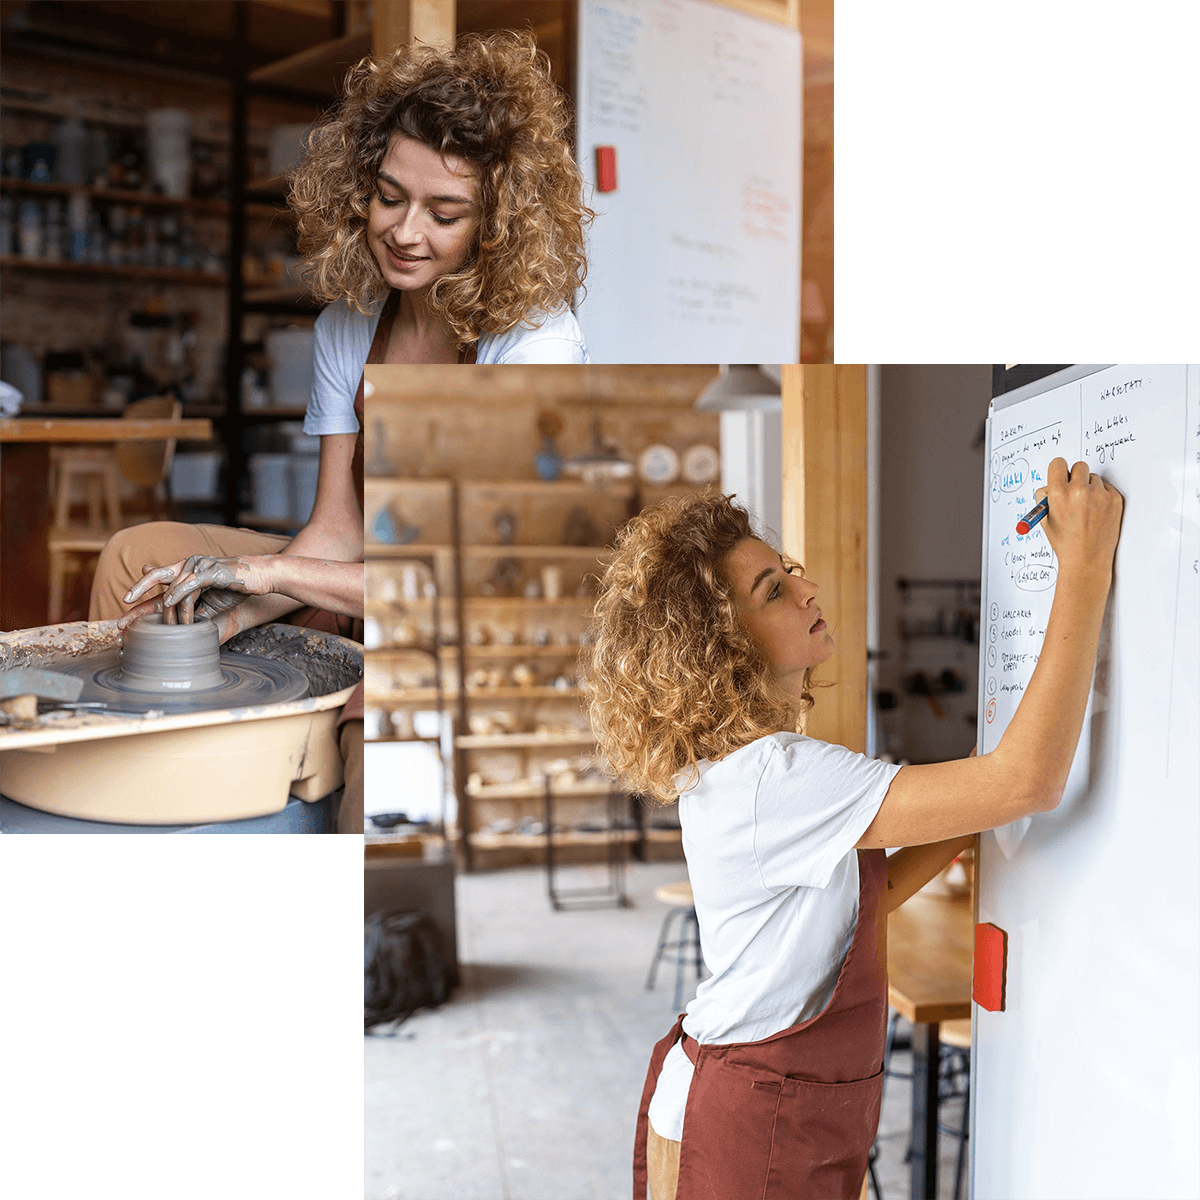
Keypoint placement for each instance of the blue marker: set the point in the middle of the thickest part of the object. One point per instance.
(1034, 515)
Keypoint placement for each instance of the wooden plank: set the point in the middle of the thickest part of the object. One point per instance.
(102, 429)
(825, 528)
(399, 22)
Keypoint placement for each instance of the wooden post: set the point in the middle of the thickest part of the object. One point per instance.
(398, 22)
(825, 528)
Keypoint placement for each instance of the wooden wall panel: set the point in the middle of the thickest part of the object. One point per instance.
(398, 22)
(825, 528)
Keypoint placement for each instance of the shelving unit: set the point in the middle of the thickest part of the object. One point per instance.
(508, 660)
(221, 79)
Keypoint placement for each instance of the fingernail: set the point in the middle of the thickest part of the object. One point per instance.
(128, 597)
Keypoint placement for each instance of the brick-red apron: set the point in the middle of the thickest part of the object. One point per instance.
(791, 1117)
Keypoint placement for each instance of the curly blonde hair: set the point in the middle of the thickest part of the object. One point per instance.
(491, 101)
(670, 673)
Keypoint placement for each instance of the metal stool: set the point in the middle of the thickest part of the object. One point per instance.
(687, 947)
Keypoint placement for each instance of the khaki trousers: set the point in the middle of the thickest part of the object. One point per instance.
(162, 542)
(662, 1167)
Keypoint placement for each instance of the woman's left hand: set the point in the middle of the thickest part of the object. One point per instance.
(200, 586)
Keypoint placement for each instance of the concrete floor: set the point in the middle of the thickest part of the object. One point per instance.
(525, 1085)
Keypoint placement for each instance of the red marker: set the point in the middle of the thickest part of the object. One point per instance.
(1034, 515)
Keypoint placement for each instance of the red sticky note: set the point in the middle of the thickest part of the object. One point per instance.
(988, 975)
(606, 168)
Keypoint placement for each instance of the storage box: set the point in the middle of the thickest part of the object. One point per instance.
(195, 476)
(70, 387)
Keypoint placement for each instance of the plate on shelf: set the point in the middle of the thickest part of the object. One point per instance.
(701, 464)
(658, 464)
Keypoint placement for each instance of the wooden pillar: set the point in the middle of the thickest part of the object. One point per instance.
(398, 22)
(825, 528)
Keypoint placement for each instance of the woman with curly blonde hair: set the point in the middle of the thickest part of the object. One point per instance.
(441, 214)
(444, 184)
(698, 677)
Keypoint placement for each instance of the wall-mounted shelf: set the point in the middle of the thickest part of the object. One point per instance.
(98, 270)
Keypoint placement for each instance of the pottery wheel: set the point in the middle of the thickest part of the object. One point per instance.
(181, 668)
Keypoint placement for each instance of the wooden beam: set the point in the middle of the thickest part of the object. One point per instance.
(399, 22)
(825, 528)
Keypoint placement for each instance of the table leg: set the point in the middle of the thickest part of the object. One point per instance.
(24, 535)
(925, 1055)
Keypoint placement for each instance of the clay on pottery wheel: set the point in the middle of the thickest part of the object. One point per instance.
(170, 658)
(181, 668)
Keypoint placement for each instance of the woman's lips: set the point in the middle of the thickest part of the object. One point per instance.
(818, 626)
(403, 261)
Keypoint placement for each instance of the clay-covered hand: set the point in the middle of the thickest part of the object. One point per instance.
(200, 586)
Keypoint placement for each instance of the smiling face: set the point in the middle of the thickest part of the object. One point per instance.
(425, 214)
(779, 611)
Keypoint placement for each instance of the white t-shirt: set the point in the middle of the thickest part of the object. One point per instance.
(769, 835)
(343, 340)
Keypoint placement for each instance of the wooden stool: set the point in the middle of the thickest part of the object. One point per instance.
(146, 464)
(687, 947)
(97, 465)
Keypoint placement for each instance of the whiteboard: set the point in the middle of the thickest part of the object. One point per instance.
(1088, 1085)
(695, 257)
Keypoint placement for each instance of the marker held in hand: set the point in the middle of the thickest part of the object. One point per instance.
(1034, 515)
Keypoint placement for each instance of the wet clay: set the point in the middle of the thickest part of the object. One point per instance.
(169, 658)
(326, 662)
(329, 664)
(180, 668)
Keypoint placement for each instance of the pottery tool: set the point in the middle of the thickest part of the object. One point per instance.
(1034, 515)
(22, 687)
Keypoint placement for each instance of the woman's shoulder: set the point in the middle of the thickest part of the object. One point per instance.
(341, 318)
(540, 338)
(746, 762)
(787, 751)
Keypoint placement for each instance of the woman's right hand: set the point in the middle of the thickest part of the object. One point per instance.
(199, 586)
(1084, 519)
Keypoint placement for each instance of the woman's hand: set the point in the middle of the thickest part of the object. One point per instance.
(1084, 520)
(201, 586)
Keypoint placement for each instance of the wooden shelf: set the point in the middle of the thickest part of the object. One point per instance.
(500, 841)
(215, 208)
(534, 791)
(531, 741)
(98, 270)
(407, 549)
(425, 694)
(317, 70)
(564, 487)
(553, 651)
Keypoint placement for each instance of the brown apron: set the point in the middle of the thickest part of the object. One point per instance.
(791, 1117)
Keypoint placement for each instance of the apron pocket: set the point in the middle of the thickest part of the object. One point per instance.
(822, 1139)
(726, 1135)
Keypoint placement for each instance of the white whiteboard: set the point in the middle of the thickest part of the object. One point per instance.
(1088, 1085)
(695, 257)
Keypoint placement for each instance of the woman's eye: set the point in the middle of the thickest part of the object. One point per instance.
(774, 593)
(445, 220)
(386, 202)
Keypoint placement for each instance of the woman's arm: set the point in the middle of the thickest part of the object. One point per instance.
(317, 567)
(1027, 771)
(330, 574)
(912, 867)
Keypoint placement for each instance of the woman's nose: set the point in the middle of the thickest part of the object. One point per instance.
(404, 229)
